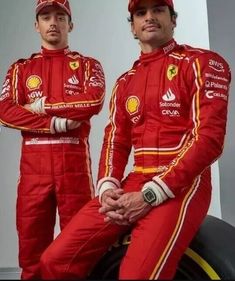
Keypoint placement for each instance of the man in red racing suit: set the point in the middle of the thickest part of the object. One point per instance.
(171, 107)
(51, 98)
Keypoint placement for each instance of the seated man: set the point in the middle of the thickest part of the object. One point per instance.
(171, 107)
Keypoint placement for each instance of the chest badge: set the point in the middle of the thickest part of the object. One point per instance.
(74, 65)
(132, 105)
(33, 82)
(172, 71)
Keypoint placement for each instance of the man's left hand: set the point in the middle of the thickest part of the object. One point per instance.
(131, 208)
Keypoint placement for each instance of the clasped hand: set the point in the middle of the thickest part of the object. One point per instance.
(123, 208)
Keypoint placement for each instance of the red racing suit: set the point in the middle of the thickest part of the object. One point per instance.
(171, 108)
(55, 168)
(174, 106)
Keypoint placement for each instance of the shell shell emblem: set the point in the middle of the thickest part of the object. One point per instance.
(33, 82)
(172, 71)
(132, 105)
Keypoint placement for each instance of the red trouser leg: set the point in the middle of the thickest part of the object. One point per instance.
(159, 240)
(49, 177)
(80, 245)
(73, 179)
(72, 194)
(36, 210)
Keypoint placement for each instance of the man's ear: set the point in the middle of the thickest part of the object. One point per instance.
(173, 19)
(36, 26)
(70, 26)
(133, 31)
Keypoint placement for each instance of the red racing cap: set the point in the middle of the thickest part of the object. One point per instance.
(64, 4)
(134, 3)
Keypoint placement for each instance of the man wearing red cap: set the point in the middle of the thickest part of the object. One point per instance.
(171, 108)
(51, 98)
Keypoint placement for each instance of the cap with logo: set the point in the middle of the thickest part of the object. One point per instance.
(64, 4)
(134, 3)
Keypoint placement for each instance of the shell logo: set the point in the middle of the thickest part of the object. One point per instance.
(33, 82)
(132, 104)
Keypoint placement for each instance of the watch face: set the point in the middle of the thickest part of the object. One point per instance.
(149, 196)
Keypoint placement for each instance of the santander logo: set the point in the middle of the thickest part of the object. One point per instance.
(73, 80)
(169, 96)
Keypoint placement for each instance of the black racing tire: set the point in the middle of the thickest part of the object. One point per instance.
(210, 255)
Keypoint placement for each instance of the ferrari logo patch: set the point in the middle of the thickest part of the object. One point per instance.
(172, 71)
(74, 65)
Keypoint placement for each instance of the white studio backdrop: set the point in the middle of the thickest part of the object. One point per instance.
(101, 30)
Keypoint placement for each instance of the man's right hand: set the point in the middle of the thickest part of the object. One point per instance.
(109, 199)
(111, 207)
(63, 125)
(72, 124)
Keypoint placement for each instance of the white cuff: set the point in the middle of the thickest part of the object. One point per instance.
(58, 125)
(162, 185)
(52, 127)
(38, 105)
(105, 184)
(160, 193)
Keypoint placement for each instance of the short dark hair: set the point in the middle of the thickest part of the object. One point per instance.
(172, 13)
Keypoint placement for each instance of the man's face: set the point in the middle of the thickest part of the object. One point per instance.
(53, 24)
(152, 23)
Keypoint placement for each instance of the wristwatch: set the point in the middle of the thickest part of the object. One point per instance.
(149, 196)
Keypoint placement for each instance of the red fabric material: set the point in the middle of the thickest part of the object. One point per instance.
(55, 169)
(157, 241)
(64, 4)
(173, 103)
